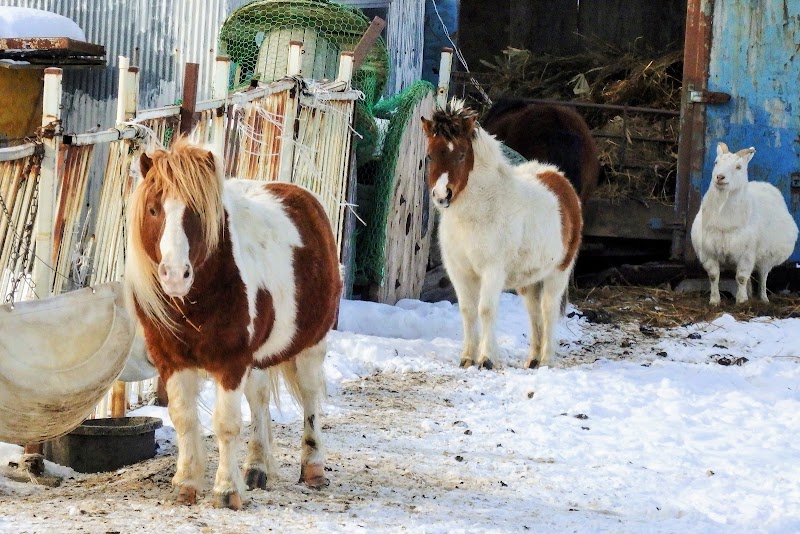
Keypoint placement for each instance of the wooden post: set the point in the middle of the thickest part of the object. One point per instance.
(191, 74)
(119, 399)
(445, 65)
(127, 106)
(286, 161)
(294, 66)
(345, 73)
(222, 67)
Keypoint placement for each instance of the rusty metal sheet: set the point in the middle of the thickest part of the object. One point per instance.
(52, 45)
(691, 145)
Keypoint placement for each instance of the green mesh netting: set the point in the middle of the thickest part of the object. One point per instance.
(256, 37)
(377, 181)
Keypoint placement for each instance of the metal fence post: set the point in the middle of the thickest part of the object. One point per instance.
(48, 182)
(445, 66)
(220, 91)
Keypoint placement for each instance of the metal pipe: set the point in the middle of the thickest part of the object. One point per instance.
(108, 136)
(17, 152)
(122, 89)
(158, 113)
(48, 180)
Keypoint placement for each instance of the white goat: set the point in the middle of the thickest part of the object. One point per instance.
(741, 224)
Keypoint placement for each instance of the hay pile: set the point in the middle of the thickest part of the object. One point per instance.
(665, 308)
(638, 150)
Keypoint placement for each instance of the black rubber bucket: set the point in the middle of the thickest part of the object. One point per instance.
(105, 444)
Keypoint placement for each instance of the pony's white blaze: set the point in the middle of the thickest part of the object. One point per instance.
(175, 270)
(260, 228)
(440, 189)
(450, 146)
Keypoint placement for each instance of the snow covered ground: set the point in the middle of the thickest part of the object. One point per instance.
(630, 431)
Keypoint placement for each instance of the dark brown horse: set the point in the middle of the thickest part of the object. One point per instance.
(548, 133)
(231, 277)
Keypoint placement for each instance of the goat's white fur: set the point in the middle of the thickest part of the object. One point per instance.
(504, 231)
(741, 224)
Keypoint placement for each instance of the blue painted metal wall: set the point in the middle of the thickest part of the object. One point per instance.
(755, 57)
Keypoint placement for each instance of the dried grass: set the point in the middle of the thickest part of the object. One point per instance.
(666, 308)
(634, 166)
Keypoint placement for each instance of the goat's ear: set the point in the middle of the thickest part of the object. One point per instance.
(145, 164)
(747, 154)
(427, 126)
(722, 148)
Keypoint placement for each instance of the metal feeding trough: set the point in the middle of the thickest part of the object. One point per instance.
(105, 444)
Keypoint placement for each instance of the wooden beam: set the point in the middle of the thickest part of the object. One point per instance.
(119, 401)
(367, 41)
(191, 74)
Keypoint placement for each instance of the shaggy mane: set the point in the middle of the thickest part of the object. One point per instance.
(454, 121)
(185, 172)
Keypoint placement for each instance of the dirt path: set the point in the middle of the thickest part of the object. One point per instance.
(396, 448)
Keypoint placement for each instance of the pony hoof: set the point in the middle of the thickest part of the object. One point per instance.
(186, 495)
(532, 364)
(486, 364)
(255, 478)
(466, 363)
(312, 475)
(230, 500)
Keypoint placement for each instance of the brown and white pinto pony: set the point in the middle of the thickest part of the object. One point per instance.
(501, 227)
(548, 133)
(231, 277)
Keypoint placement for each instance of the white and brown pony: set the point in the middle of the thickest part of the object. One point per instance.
(501, 227)
(231, 277)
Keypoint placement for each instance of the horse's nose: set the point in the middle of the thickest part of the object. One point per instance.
(169, 273)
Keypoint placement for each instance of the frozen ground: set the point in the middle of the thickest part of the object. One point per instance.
(630, 431)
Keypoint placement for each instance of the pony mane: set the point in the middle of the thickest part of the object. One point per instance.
(193, 175)
(454, 121)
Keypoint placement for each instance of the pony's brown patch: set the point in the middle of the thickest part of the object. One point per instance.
(571, 218)
(318, 283)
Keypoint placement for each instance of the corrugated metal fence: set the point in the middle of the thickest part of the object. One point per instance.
(159, 36)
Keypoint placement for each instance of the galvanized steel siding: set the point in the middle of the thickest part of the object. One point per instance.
(754, 58)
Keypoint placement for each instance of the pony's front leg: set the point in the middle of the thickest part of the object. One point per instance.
(467, 286)
(310, 382)
(492, 282)
(228, 484)
(182, 389)
(260, 465)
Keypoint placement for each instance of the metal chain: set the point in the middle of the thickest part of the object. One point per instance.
(21, 244)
